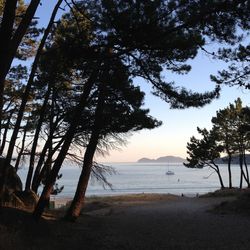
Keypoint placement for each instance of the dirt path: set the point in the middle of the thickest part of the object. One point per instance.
(179, 223)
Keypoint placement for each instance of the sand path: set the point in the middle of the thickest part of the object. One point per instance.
(176, 224)
(168, 224)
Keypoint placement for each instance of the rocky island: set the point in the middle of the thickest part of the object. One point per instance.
(167, 159)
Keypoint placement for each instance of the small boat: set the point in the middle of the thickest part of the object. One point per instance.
(169, 172)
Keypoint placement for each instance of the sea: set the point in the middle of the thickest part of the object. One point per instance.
(138, 178)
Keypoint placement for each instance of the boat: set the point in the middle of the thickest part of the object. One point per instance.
(169, 172)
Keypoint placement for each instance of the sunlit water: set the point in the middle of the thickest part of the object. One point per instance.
(134, 178)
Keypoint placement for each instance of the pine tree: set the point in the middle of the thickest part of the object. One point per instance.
(204, 152)
(149, 37)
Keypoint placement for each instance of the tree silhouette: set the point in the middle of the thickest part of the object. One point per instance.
(229, 135)
(117, 32)
(203, 152)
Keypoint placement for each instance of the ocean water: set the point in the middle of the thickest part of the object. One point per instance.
(134, 178)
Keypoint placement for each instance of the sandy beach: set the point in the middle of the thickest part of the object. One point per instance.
(132, 222)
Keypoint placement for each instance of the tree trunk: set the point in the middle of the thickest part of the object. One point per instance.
(9, 43)
(77, 203)
(220, 178)
(229, 169)
(27, 90)
(241, 180)
(243, 175)
(39, 166)
(241, 170)
(40, 171)
(22, 147)
(6, 30)
(221, 181)
(216, 168)
(51, 133)
(44, 173)
(44, 198)
(7, 125)
(246, 167)
(29, 85)
(35, 141)
(36, 181)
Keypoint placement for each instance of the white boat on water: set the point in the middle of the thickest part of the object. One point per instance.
(169, 172)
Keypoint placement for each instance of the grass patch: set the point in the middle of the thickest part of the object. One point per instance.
(226, 192)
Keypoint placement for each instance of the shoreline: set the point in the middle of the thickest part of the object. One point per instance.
(60, 202)
(131, 179)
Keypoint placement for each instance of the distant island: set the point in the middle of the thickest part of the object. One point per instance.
(167, 159)
(177, 159)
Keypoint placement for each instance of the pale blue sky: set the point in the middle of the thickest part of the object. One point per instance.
(178, 125)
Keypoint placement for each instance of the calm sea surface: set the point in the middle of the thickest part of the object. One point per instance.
(132, 178)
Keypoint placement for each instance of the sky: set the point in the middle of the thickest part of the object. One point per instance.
(178, 125)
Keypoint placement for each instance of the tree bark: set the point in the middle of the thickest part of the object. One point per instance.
(7, 126)
(35, 183)
(44, 198)
(220, 179)
(215, 167)
(8, 43)
(246, 167)
(78, 201)
(229, 169)
(40, 171)
(29, 84)
(6, 30)
(21, 29)
(22, 147)
(35, 141)
(44, 173)
(241, 179)
(241, 168)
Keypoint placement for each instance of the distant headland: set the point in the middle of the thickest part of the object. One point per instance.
(168, 159)
(177, 159)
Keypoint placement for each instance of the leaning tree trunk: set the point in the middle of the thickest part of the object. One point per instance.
(35, 140)
(217, 170)
(29, 85)
(51, 133)
(6, 128)
(17, 36)
(41, 168)
(6, 30)
(246, 168)
(10, 41)
(229, 169)
(220, 179)
(77, 203)
(47, 165)
(35, 180)
(22, 147)
(241, 180)
(243, 175)
(241, 170)
(44, 198)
